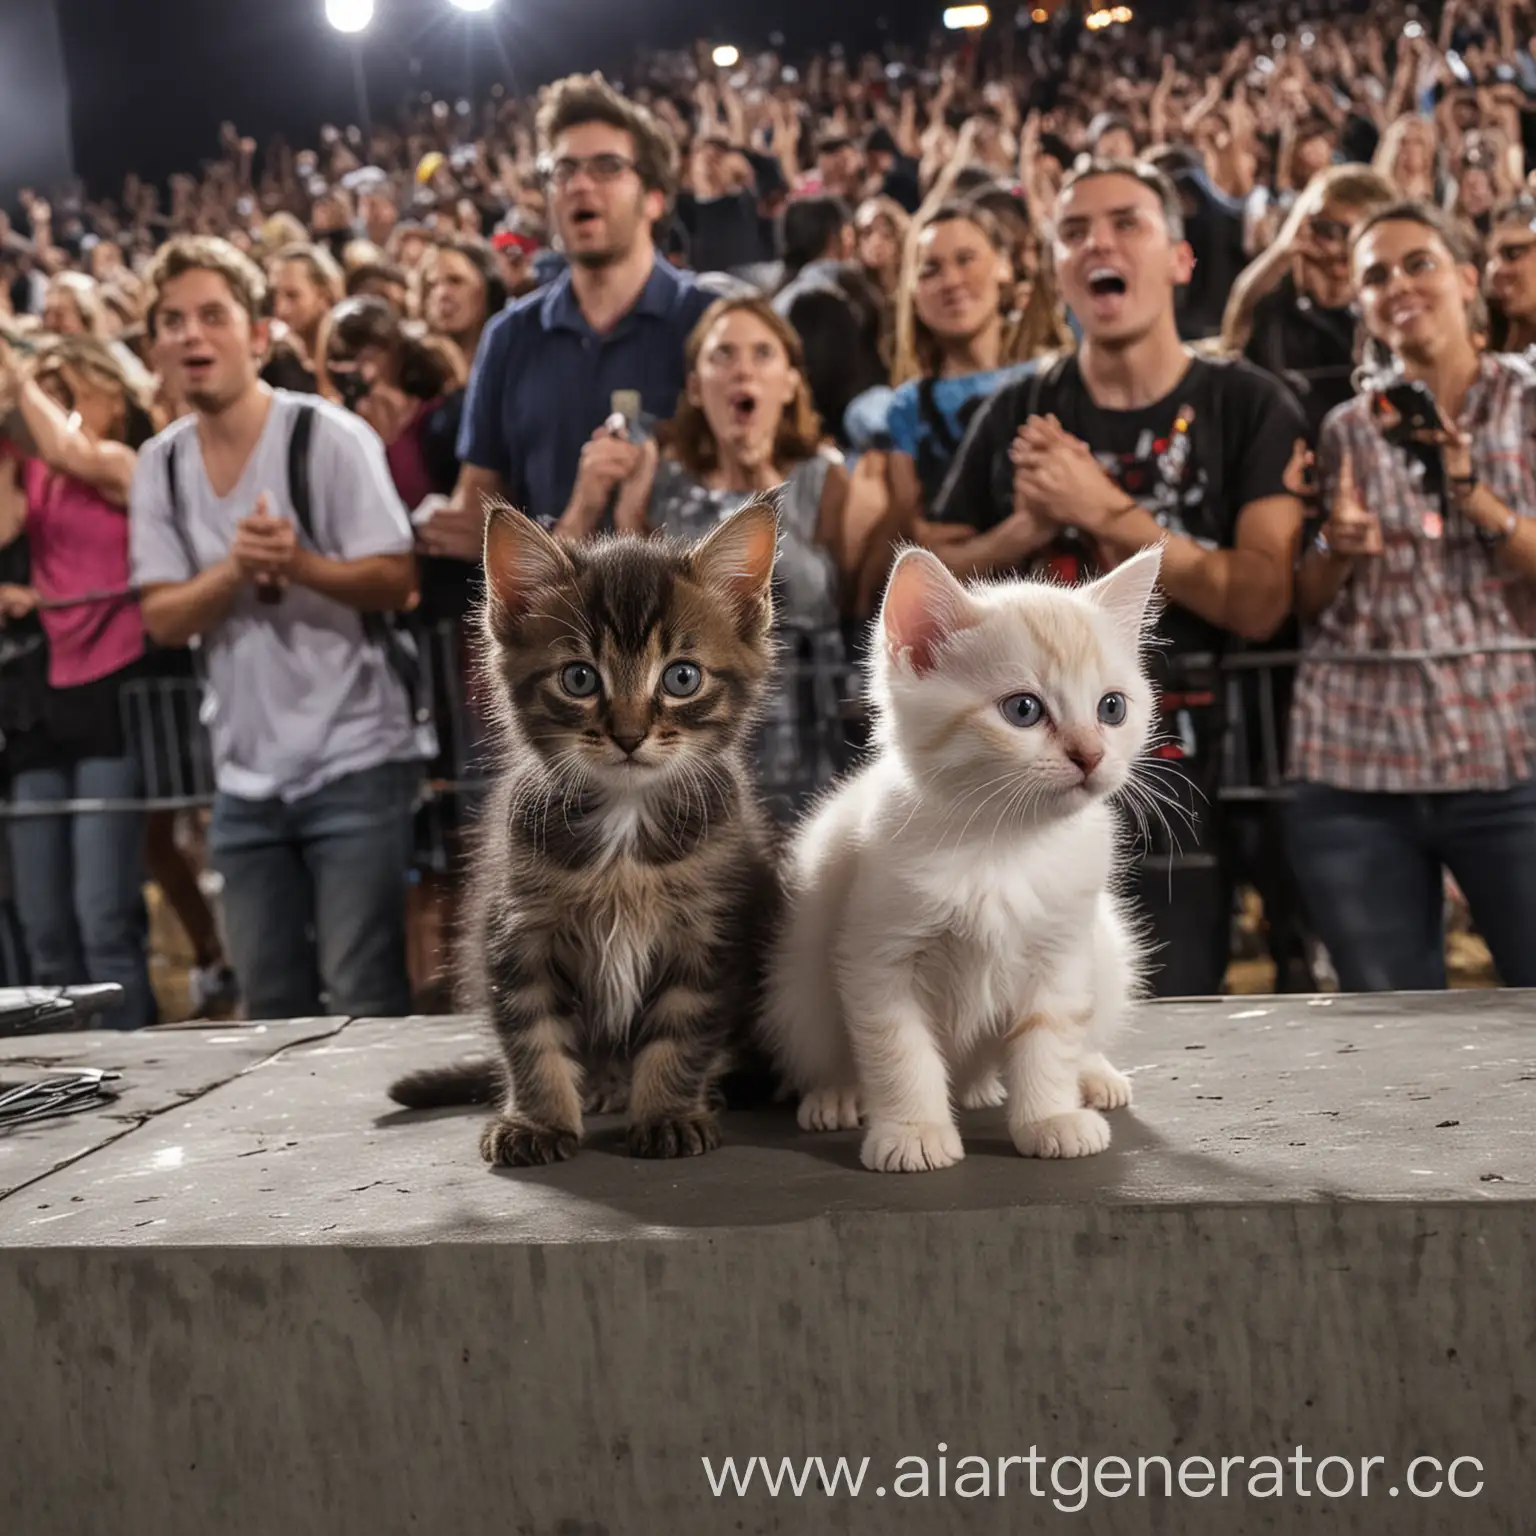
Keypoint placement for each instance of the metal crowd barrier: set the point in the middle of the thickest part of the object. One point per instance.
(162, 718)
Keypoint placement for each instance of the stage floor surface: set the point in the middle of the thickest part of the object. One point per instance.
(281, 1134)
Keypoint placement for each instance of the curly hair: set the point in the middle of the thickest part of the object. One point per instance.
(688, 436)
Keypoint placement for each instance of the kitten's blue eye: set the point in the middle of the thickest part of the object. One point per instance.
(1022, 709)
(1112, 709)
(682, 679)
(580, 680)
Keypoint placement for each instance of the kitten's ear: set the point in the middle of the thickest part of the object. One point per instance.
(520, 560)
(1129, 593)
(923, 607)
(736, 560)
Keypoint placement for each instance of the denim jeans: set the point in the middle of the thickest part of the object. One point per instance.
(1369, 867)
(314, 895)
(79, 884)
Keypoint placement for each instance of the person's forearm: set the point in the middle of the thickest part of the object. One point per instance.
(1245, 592)
(1319, 579)
(374, 584)
(578, 521)
(69, 449)
(1518, 534)
(177, 611)
(969, 557)
(1257, 280)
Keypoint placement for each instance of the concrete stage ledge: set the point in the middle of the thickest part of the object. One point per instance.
(252, 1298)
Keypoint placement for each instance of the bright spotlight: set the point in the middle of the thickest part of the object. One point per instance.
(966, 18)
(726, 56)
(1039, 16)
(349, 15)
(473, 5)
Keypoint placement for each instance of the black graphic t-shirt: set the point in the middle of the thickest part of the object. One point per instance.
(1194, 459)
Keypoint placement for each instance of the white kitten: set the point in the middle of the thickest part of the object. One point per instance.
(951, 919)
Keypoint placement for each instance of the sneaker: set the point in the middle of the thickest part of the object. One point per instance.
(212, 992)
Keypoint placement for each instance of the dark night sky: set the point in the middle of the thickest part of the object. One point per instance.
(151, 80)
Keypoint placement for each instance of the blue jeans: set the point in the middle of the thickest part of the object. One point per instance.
(1369, 868)
(79, 884)
(314, 895)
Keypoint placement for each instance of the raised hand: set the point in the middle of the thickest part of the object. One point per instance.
(1351, 530)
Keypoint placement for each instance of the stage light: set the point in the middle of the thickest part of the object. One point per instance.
(349, 15)
(966, 18)
(473, 5)
(726, 56)
(1039, 17)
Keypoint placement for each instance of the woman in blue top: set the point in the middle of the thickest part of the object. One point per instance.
(954, 348)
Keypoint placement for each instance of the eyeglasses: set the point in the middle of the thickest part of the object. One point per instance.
(1331, 231)
(600, 168)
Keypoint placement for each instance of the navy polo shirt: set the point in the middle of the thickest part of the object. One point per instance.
(543, 381)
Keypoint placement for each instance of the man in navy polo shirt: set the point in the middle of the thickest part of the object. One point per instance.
(617, 319)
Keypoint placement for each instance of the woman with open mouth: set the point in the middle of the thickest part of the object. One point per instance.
(745, 427)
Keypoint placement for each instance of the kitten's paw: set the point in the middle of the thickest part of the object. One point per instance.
(891, 1147)
(986, 1093)
(687, 1136)
(1079, 1133)
(829, 1109)
(1103, 1087)
(518, 1144)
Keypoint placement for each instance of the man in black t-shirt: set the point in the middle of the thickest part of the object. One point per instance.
(1135, 441)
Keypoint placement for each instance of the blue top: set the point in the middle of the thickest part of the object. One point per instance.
(543, 381)
(955, 401)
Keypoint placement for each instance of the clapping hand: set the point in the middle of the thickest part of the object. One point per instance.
(1056, 476)
(265, 548)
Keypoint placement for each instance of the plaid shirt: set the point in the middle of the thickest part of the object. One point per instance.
(1463, 721)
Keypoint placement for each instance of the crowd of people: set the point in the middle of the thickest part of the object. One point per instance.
(1258, 287)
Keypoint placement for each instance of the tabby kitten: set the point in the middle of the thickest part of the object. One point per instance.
(624, 877)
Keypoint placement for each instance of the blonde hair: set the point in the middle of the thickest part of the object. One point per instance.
(95, 362)
(688, 436)
(318, 262)
(917, 348)
(86, 292)
(1388, 151)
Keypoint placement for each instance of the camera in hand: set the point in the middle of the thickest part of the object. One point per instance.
(1405, 410)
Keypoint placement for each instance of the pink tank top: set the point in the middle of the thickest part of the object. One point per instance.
(78, 542)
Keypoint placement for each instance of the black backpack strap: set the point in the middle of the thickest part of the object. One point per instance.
(396, 635)
(1042, 380)
(178, 520)
(299, 436)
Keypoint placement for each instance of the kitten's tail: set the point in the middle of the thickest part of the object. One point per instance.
(467, 1082)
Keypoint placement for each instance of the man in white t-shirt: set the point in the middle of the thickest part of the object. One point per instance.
(266, 525)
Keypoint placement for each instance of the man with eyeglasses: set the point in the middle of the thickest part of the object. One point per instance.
(1291, 311)
(610, 332)
(1510, 276)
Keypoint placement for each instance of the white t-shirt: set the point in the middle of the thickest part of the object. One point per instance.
(297, 695)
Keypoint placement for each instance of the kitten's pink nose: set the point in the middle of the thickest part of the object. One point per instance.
(1085, 758)
(629, 742)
